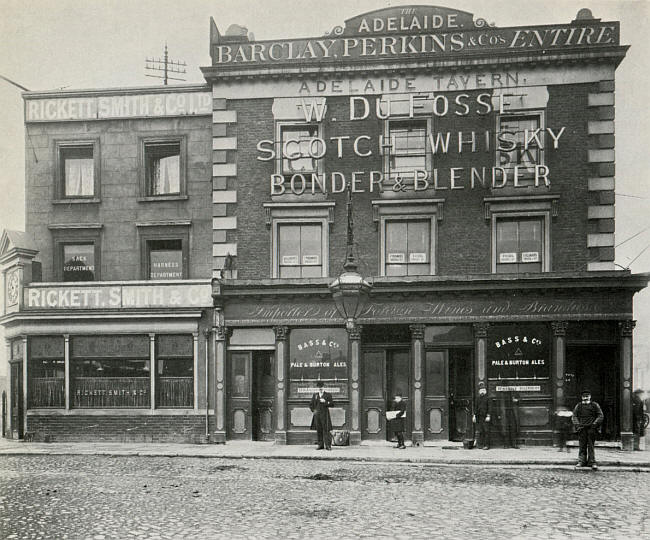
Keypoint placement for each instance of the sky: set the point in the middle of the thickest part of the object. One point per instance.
(68, 44)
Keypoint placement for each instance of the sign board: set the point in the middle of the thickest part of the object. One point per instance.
(42, 109)
(519, 388)
(410, 31)
(518, 351)
(318, 354)
(118, 296)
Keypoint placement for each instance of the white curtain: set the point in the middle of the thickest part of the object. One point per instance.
(79, 177)
(166, 178)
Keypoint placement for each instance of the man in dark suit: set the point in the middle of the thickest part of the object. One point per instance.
(320, 405)
(482, 417)
(587, 418)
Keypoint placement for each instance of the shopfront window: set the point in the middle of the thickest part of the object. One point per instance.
(174, 371)
(318, 354)
(46, 372)
(110, 371)
(519, 245)
(407, 247)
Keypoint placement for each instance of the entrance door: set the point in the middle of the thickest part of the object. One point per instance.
(263, 395)
(16, 400)
(460, 394)
(384, 373)
(240, 390)
(436, 396)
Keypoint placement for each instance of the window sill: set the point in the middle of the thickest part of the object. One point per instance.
(77, 200)
(154, 198)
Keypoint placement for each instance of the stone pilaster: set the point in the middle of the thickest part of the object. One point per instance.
(281, 382)
(354, 334)
(558, 352)
(417, 390)
(625, 356)
(480, 352)
(220, 339)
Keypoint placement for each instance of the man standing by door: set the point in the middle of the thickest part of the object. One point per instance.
(320, 405)
(482, 417)
(587, 417)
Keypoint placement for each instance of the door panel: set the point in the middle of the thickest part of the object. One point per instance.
(240, 411)
(436, 403)
(461, 376)
(374, 402)
(17, 400)
(398, 364)
(263, 395)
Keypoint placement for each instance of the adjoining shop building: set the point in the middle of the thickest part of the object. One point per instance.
(480, 162)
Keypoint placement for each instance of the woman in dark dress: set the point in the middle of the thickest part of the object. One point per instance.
(397, 423)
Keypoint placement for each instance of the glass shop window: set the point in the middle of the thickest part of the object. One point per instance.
(174, 371)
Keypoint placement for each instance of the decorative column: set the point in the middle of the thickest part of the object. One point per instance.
(558, 352)
(220, 336)
(281, 382)
(625, 358)
(480, 351)
(195, 354)
(354, 333)
(417, 361)
(66, 369)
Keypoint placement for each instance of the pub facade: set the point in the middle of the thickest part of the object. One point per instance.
(415, 203)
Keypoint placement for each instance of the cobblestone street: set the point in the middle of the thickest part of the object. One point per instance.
(103, 497)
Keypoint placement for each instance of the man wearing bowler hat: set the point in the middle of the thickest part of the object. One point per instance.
(587, 417)
(320, 405)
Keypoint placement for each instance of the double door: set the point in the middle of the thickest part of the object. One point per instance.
(251, 395)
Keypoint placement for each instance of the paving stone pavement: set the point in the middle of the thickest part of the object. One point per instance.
(106, 497)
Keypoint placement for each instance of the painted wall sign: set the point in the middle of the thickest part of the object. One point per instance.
(437, 308)
(428, 43)
(118, 296)
(38, 109)
(518, 351)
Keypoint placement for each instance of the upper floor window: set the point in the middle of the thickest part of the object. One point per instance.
(519, 139)
(163, 168)
(407, 235)
(164, 250)
(407, 247)
(299, 238)
(300, 250)
(77, 169)
(163, 163)
(78, 262)
(165, 259)
(77, 251)
(519, 245)
(405, 147)
(297, 146)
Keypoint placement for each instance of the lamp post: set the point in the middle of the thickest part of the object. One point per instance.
(349, 290)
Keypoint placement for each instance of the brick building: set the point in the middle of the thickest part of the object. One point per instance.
(446, 183)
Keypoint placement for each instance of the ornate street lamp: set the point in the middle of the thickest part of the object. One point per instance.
(349, 290)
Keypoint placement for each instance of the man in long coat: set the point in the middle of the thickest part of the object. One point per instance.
(587, 417)
(320, 404)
